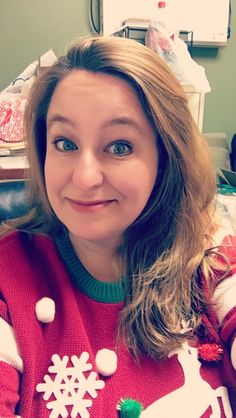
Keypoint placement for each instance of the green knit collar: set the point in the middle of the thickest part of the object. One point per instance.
(95, 289)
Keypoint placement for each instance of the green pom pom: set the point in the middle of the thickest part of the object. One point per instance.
(130, 408)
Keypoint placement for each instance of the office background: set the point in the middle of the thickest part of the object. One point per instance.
(28, 28)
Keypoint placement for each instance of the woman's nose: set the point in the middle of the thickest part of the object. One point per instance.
(88, 171)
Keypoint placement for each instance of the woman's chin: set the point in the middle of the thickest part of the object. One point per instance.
(104, 239)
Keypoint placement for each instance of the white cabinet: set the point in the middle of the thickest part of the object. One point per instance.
(196, 101)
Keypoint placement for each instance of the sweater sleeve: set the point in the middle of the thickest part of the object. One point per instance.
(9, 385)
(11, 366)
(224, 300)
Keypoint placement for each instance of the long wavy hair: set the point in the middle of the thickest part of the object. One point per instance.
(165, 249)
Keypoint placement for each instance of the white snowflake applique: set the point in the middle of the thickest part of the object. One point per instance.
(69, 386)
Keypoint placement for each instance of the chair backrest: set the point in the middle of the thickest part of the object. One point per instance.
(14, 199)
(233, 153)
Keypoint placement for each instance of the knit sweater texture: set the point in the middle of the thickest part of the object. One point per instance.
(60, 376)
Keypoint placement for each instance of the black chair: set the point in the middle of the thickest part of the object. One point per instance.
(233, 153)
(14, 199)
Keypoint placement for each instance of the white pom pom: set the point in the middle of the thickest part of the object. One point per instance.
(45, 310)
(106, 362)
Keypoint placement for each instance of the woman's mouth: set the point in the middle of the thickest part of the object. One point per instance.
(89, 205)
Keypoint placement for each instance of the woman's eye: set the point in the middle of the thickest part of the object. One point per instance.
(64, 145)
(120, 148)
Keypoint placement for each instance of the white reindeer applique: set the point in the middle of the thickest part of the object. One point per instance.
(193, 398)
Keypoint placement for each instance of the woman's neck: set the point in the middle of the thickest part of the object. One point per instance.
(101, 260)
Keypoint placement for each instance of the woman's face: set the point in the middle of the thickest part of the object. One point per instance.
(101, 159)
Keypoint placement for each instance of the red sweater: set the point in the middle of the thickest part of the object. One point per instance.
(52, 385)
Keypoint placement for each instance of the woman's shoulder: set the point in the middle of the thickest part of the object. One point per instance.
(16, 243)
(24, 257)
(22, 236)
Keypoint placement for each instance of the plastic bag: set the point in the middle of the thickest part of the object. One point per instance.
(13, 101)
(12, 107)
(175, 53)
(226, 211)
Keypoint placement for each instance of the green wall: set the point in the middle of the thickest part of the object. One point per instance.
(28, 28)
(220, 66)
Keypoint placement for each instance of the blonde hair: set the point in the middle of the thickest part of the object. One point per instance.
(165, 248)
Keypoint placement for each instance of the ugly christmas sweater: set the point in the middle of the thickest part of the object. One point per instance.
(58, 351)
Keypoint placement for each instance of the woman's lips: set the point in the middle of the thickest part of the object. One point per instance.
(89, 206)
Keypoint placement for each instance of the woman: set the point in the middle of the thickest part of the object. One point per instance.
(112, 300)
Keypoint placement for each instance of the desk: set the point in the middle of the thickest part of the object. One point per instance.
(13, 167)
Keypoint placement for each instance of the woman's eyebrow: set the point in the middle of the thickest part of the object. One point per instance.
(118, 121)
(58, 118)
(125, 121)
